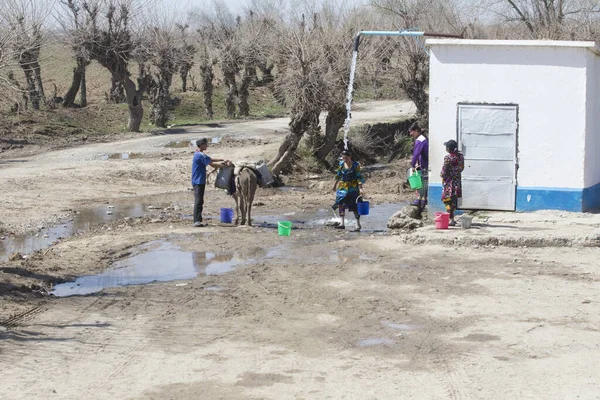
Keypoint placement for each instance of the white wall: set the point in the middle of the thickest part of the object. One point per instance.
(592, 155)
(548, 83)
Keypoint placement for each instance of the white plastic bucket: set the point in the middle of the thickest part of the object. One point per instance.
(465, 221)
(267, 178)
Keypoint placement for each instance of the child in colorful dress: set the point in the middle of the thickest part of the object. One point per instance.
(347, 188)
(454, 163)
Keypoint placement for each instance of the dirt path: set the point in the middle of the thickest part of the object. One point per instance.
(242, 313)
(38, 191)
(355, 317)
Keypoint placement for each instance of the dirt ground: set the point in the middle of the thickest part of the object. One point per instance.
(509, 310)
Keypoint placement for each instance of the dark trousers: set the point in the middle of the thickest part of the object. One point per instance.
(198, 202)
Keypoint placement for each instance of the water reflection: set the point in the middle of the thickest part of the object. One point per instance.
(160, 265)
(86, 218)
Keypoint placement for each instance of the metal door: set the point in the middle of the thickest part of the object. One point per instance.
(487, 137)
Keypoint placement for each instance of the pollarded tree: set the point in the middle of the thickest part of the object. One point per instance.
(313, 77)
(217, 27)
(13, 94)
(73, 26)
(185, 60)
(411, 60)
(24, 20)
(207, 63)
(109, 40)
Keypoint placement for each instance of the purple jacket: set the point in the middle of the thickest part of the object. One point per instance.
(421, 153)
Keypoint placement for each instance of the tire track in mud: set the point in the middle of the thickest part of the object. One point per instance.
(126, 343)
(17, 320)
(456, 381)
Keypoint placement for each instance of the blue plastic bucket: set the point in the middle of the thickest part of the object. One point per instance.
(362, 207)
(226, 215)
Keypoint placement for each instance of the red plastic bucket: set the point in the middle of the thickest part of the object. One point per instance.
(442, 219)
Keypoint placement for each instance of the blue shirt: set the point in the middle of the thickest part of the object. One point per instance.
(199, 164)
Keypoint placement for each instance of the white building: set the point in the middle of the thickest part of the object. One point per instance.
(526, 115)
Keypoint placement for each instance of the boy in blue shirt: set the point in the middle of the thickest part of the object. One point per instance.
(200, 162)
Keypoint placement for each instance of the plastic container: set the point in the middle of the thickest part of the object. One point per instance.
(284, 228)
(465, 221)
(226, 215)
(224, 176)
(415, 181)
(442, 219)
(267, 178)
(362, 206)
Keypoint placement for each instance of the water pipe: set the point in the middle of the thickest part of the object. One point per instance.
(406, 32)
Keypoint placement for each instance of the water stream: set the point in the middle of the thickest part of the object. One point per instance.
(349, 98)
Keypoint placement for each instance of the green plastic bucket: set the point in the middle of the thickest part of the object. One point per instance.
(284, 228)
(415, 181)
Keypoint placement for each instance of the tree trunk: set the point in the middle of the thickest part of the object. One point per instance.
(83, 88)
(336, 116)
(161, 99)
(78, 71)
(31, 90)
(285, 153)
(231, 94)
(207, 89)
(267, 74)
(37, 72)
(117, 94)
(244, 94)
(134, 101)
(184, 76)
(300, 123)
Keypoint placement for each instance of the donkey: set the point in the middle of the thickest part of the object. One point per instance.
(246, 183)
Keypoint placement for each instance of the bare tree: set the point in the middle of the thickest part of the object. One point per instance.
(24, 21)
(13, 94)
(108, 39)
(313, 76)
(412, 59)
(158, 56)
(186, 55)
(550, 19)
(207, 63)
(74, 34)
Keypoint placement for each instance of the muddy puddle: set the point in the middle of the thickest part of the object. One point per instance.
(400, 326)
(370, 342)
(172, 259)
(163, 261)
(121, 156)
(301, 186)
(375, 222)
(191, 144)
(83, 219)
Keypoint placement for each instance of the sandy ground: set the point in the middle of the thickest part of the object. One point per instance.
(507, 310)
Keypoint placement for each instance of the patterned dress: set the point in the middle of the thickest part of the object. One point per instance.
(454, 163)
(348, 191)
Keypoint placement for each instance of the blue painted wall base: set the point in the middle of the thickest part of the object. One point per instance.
(538, 198)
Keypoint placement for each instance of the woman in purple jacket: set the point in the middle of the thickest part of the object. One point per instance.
(420, 162)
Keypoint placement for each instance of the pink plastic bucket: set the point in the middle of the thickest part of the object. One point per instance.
(442, 219)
